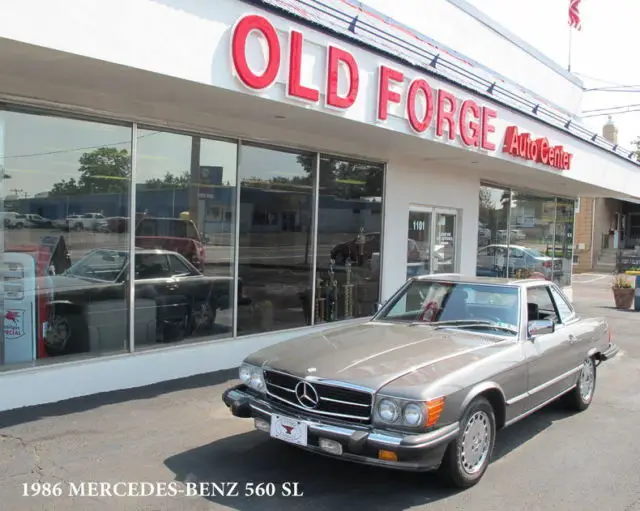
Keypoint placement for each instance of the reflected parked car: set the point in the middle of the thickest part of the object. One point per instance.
(88, 299)
(14, 220)
(175, 234)
(492, 261)
(38, 221)
(427, 382)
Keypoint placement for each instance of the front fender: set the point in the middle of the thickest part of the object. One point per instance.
(494, 394)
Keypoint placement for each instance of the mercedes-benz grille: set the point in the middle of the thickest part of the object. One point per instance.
(319, 398)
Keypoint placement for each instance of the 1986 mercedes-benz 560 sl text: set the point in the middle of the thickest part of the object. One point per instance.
(426, 383)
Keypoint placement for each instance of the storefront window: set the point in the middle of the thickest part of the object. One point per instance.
(185, 219)
(275, 239)
(563, 240)
(531, 237)
(65, 202)
(64, 181)
(493, 234)
(349, 239)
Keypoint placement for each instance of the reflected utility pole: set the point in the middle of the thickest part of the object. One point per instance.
(194, 181)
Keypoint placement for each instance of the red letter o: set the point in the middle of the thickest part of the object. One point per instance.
(420, 124)
(238, 52)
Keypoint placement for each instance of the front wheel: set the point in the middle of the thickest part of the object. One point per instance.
(467, 458)
(581, 396)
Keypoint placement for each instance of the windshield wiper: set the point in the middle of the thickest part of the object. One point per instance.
(475, 322)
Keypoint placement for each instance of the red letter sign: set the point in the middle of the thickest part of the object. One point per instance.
(487, 127)
(511, 141)
(444, 115)
(295, 88)
(385, 93)
(524, 146)
(241, 33)
(470, 130)
(336, 56)
(416, 86)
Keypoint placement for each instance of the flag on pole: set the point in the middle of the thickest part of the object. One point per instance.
(574, 14)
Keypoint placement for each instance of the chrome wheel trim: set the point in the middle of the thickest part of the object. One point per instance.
(58, 333)
(587, 379)
(475, 443)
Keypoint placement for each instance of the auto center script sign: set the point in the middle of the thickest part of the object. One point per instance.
(426, 107)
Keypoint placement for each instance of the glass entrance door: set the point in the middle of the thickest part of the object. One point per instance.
(431, 241)
(419, 242)
(444, 250)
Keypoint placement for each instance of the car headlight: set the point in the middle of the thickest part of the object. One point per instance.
(413, 414)
(252, 376)
(388, 410)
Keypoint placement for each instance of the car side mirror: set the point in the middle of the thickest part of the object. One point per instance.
(540, 327)
(379, 306)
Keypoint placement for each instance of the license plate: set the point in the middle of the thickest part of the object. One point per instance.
(288, 429)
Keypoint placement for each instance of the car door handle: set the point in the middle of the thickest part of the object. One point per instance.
(572, 339)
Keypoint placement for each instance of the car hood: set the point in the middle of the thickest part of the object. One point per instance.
(374, 354)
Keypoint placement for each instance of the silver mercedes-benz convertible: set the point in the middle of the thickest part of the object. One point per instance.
(427, 382)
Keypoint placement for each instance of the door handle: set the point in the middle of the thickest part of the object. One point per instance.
(572, 339)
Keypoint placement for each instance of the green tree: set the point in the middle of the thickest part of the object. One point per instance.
(103, 170)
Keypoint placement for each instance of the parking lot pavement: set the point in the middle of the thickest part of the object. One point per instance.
(180, 431)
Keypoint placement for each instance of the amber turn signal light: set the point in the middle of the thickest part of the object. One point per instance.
(434, 410)
(387, 455)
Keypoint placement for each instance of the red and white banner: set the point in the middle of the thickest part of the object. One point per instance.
(574, 14)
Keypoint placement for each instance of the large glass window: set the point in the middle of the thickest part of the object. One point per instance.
(349, 239)
(275, 239)
(209, 260)
(525, 235)
(531, 237)
(563, 243)
(64, 182)
(184, 272)
(493, 234)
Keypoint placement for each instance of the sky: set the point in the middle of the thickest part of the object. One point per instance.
(602, 53)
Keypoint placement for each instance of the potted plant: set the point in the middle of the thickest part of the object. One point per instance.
(623, 292)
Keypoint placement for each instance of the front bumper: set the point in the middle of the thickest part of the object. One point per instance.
(360, 444)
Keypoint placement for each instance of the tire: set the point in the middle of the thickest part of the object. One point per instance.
(68, 334)
(468, 456)
(581, 396)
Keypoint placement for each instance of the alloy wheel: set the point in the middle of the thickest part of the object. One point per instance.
(475, 443)
(587, 379)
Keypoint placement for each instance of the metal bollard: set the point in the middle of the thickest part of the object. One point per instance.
(636, 302)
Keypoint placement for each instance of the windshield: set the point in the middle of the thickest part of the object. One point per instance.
(103, 265)
(480, 306)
